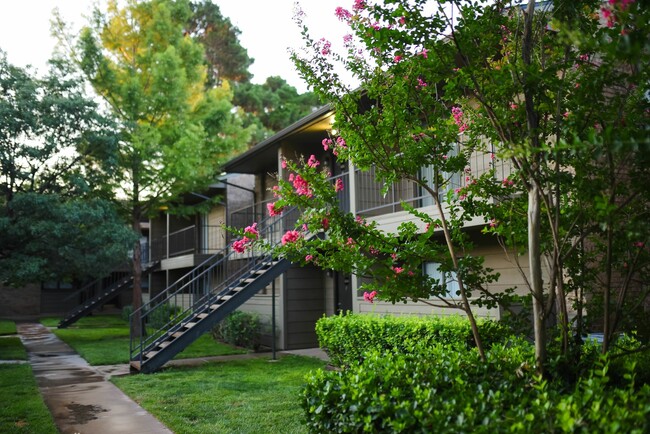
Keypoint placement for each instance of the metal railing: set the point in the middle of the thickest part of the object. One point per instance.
(204, 239)
(203, 286)
(374, 198)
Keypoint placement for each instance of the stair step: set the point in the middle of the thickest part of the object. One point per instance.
(150, 354)
(164, 344)
(226, 297)
(261, 271)
(214, 307)
(202, 315)
(177, 334)
(189, 325)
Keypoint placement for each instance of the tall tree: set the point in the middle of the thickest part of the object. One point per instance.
(511, 84)
(175, 132)
(225, 57)
(273, 105)
(55, 154)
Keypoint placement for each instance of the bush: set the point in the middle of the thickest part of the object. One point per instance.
(447, 389)
(347, 337)
(126, 312)
(239, 328)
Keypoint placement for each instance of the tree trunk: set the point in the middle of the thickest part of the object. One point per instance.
(535, 264)
(136, 322)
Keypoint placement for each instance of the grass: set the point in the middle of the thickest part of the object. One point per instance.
(7, 327)
(104, 340)
(22, 409)
(11, 348)
(243, 396)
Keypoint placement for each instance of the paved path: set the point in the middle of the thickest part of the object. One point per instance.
(79, 396)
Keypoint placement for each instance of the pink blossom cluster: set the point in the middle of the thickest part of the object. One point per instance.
(359, 5)
(369, 296)
(313, 162)
(291, 237)
(327, 142)
(338, 185)
(250, 234)
(325, 46)
(309, 258)
(607, 13)
(301, 185)
(458, 114)
(342, 14)
(421, 84)
(251, 231)
(273, 209)
(507, 182)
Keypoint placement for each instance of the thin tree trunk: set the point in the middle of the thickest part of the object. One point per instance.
(535, 264)
(136, 325)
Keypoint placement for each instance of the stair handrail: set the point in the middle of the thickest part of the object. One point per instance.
(86, 287)
(270, 229)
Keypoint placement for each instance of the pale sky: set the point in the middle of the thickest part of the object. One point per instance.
(267, 30)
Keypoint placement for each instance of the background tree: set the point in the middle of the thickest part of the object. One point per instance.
(55, 152)
(225, 57)
(174, 132)
(272, 106)
(511, 83)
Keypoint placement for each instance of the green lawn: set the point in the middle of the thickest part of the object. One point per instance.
(104, 340)
(242, 396)
(7, 327)
(22, 409)
(11, 348)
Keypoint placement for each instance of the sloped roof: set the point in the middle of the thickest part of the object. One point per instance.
(265, 154)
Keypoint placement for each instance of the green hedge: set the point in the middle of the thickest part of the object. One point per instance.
(347, 337)
(447, 389)
(242, 329)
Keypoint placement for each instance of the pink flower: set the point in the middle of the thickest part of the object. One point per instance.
(302, 186)
(513, 106)
(398, 270)
(284, 163)
(342, 14)
(639, 244)
(340, 141)
(326, 223)
(493, 223)
(273, 211)
(457, 114)
(507, 182)
(325, 50)
(349, 242)
(424, 53)
(374, 251)
(338, 185)
(402, 20)
(290, 237)
(492, 156)
(305, 227)
(369, 296)
(251, 231)
(240, 245)
(359, 5)
(421, 83)
(347, 38)
(309, 258)
(397, 59)
(327, 143)
(313, 162)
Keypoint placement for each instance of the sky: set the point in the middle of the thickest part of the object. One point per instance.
(267, 30)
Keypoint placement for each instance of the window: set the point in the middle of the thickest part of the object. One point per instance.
(446, 279)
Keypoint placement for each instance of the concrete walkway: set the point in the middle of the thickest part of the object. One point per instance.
(79, 396)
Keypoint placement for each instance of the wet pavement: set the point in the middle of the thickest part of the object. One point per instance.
(79, 396)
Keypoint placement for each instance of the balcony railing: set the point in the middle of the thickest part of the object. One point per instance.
(192, 240)
(373, 198)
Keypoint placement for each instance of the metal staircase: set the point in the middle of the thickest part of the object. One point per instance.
(99, 292)
(195, 303)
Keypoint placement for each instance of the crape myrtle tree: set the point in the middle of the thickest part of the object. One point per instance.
(56, 150)
(559, 94)
(174, 131)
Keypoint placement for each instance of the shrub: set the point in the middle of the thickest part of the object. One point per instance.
(447, 389)
(126, 312)
(239, 328)
(347, 337)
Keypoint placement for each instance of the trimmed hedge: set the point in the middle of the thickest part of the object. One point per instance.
(347, 337)
(447, 389)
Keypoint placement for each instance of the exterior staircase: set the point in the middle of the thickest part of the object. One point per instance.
(99, 292)
(195, 303)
